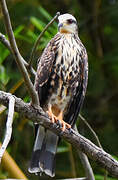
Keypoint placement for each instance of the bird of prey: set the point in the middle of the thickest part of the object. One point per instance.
(61, 83)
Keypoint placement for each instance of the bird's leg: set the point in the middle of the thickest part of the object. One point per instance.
(63, 123)
(57, 115)
(51, 115)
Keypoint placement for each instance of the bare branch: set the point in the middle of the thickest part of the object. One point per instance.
(82, 178)
(29, 68)
(16, 53)
(39, 38)
(85, 163)
(5, 41)
(8, 126)
(90, 128)
(36, 114)
(96, 137)
(72, 162)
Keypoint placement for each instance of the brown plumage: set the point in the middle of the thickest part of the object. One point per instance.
(61, 83)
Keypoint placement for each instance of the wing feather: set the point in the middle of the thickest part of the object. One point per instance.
(46, 62)
(78, 97)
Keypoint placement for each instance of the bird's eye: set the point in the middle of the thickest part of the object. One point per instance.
(70, 21)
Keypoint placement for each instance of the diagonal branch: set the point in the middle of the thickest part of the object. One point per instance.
(83, 178)
(5, 42)
(94, 135)
(78, 141)
(40, 36)
(16, 53)
(92, 131)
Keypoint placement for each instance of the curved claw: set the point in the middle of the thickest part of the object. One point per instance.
(59, 120)
(52, 116)
(65, 125)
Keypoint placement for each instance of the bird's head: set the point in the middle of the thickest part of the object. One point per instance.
(67, 24)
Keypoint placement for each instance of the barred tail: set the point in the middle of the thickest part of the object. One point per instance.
(43, 156)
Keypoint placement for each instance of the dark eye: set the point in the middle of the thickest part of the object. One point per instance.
(70, 21)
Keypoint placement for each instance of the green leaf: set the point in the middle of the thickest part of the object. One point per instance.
(32, 35)
(36, 23)
(45, 13)
(62, 149)
(115, 157)
(3, 75)
(25, 38)
(39, 25)
(3, 53)
(99, 177)
(18, 30)
(26, 98)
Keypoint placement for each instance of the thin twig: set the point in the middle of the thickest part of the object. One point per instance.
(16, 53)
(8, 126)
(73, 169)
(39, 38)
(30, 70)
(5, 41)
(82, 178)
(85, 163)
(96, 137)
(90, 128)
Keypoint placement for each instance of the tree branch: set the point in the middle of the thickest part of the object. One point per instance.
(92, 131)
(19, 59)
(36, 114)
(8, 126)
(5, 42)
(94, 135)
(72, 162)
(39, 38)
(85, 162)
(83, 178)
(86, 165)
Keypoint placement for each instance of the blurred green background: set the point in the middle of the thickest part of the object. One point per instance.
(98, 30)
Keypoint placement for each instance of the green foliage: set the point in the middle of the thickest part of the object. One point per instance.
(3, 76)
(98, 31)
(62, 149)
(98, 177)
(3, 53)
(39, 26)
